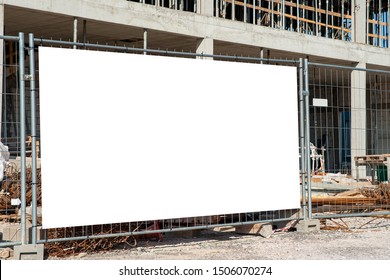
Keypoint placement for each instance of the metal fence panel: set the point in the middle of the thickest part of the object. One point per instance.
(349, 140)
(13, 184)
(344, 141)
(28, 179)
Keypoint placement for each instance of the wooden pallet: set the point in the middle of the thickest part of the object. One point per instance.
(371, 159)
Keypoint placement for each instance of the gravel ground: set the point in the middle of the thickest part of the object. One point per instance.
(350, 239)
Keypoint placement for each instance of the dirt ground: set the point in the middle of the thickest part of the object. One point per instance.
(366, 238)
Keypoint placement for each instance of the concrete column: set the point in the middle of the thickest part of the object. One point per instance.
(206, 7)
(1, 65)
(359, 21)
(75, 25)
(145, 39)
(358, 118)
(205, 46)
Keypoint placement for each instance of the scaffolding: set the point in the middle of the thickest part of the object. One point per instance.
(324, 18)
(377, 23)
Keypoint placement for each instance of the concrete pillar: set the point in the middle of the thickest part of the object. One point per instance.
(359, 21)
(145, 39)
(358, 118)
(205, 7)
(1, 65)
(75, 25)
(205, 46)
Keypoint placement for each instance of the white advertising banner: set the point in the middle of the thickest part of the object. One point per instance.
(128, 137)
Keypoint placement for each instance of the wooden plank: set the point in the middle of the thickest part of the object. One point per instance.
(342, 200)
(376, 22)
(349, 208)
(376, 36)
(371, 159)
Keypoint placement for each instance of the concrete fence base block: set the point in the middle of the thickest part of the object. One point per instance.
(264, 230)
(308, 225)
(29, 252)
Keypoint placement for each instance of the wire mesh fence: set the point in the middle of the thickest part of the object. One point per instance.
(11, 191)
(26, 176)
(344, 121)
(349, 141)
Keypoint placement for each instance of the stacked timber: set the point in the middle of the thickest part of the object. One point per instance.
(372, 198)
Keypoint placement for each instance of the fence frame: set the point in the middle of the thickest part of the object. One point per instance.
(349, 68)
(304, 213)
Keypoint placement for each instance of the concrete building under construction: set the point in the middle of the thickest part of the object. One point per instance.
(343, 33)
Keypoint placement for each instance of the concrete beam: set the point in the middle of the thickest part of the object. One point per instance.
(358, 119)
(200, 26)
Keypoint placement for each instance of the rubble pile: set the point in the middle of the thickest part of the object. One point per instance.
(379, 192)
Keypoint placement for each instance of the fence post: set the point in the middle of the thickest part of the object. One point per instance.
(307, 134)
(33, 141)
(25, 251)
(302, 138)
(22, 139)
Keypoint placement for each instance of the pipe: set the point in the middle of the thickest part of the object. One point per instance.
(3, 96)
(379, 23)
(272, 14)
(254, 12)
(342, 20)
(291, 16)
(332, 18)
(283, 14)
(224, 8)
(245, 12)
(316, 15)
(326, 18)
(367, 23)
(302, 138)
(307, 134)
(22, 139)
(388, 28)
(34, 140)
(233, 10)
(298, 12)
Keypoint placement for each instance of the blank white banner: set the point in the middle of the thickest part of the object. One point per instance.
(133, 137)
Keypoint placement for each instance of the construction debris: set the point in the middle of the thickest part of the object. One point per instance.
(10, 189)
(380, 193)
(67, 248)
